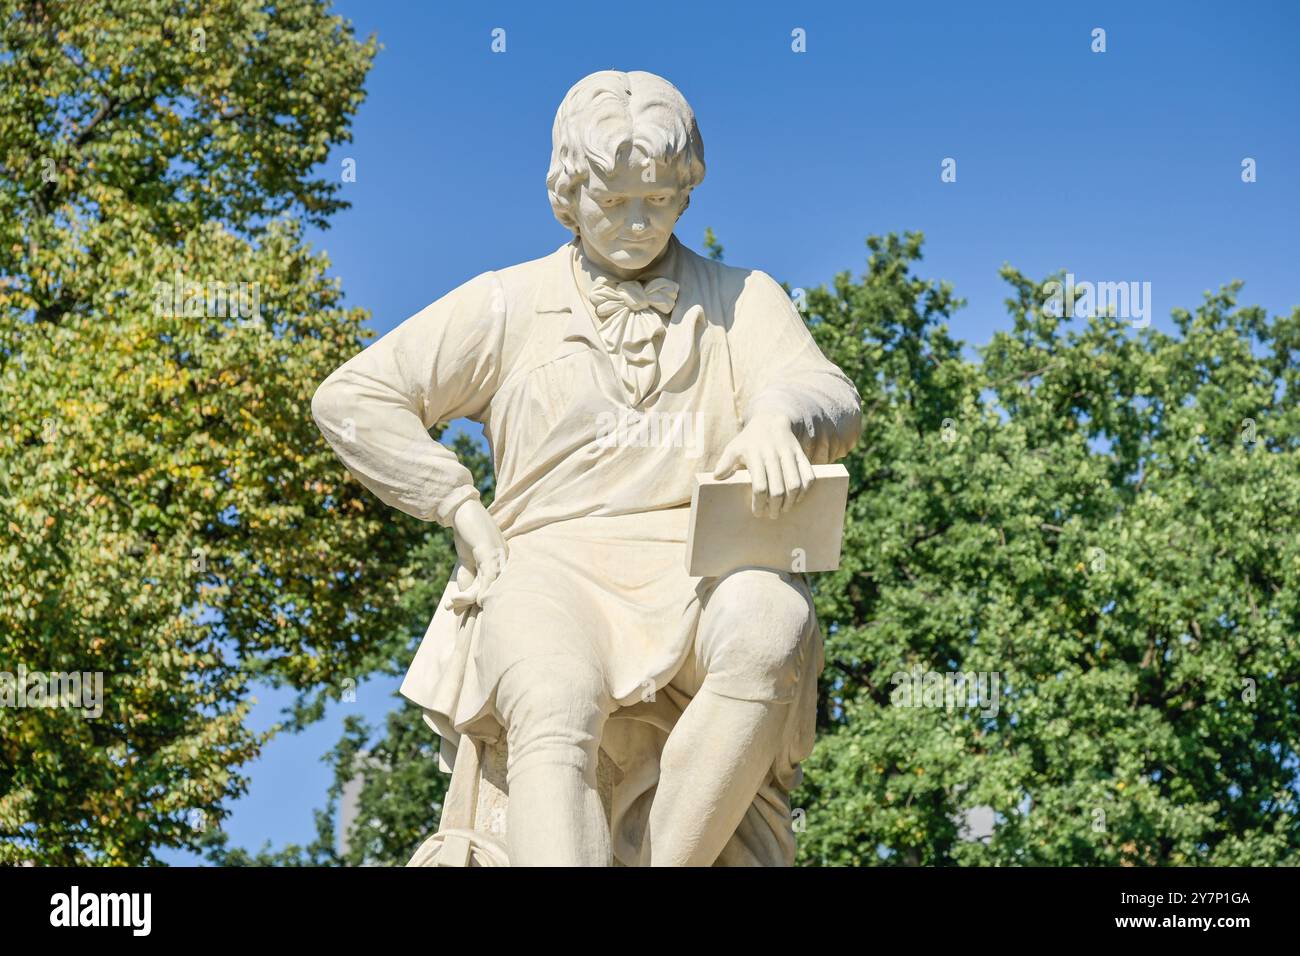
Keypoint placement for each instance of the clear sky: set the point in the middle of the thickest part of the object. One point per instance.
(1117, 166)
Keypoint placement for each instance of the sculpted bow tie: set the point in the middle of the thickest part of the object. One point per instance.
(632, 318)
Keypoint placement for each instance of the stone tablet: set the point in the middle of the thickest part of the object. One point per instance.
(725, 534)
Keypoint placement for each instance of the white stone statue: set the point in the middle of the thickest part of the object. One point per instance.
(598, 704)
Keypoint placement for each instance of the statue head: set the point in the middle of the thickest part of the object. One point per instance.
(625, 155)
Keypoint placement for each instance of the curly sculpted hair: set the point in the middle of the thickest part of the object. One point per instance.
(608, 111)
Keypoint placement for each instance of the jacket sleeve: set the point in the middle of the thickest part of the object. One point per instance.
(778, 369)
(377, 408)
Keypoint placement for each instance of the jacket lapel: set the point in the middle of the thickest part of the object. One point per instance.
(680, 354)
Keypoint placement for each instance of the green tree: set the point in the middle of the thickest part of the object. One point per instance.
(712, 247)
(1106, 519)
(171, 518)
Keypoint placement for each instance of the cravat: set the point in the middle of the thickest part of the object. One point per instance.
(631, 319)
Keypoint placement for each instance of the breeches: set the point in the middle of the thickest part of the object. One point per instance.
(752, 641)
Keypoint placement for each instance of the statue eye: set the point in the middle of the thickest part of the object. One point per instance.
(609, 202)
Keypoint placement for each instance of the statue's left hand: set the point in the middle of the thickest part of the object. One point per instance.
(779, 470)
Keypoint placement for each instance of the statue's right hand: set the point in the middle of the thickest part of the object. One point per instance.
(481, 548)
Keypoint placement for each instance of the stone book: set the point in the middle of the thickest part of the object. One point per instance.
(725, 534)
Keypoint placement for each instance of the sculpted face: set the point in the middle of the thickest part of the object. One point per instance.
(626, 216)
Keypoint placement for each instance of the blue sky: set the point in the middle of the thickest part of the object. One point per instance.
(1116, 166)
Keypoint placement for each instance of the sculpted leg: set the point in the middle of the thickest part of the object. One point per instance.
(554, 710)
(753, 634)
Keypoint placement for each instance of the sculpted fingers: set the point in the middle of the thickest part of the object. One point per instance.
(490, 564)
(793, 477)
(758, 478)
(779, 471)
(474, 594)
(464, 581)
(463, 599)
(806, 475)
(775, 484)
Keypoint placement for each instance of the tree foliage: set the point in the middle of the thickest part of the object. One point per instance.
(1103, 517)
(171, 518)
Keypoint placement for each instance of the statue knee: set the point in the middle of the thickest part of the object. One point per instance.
(554, 711)
(754, 635)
